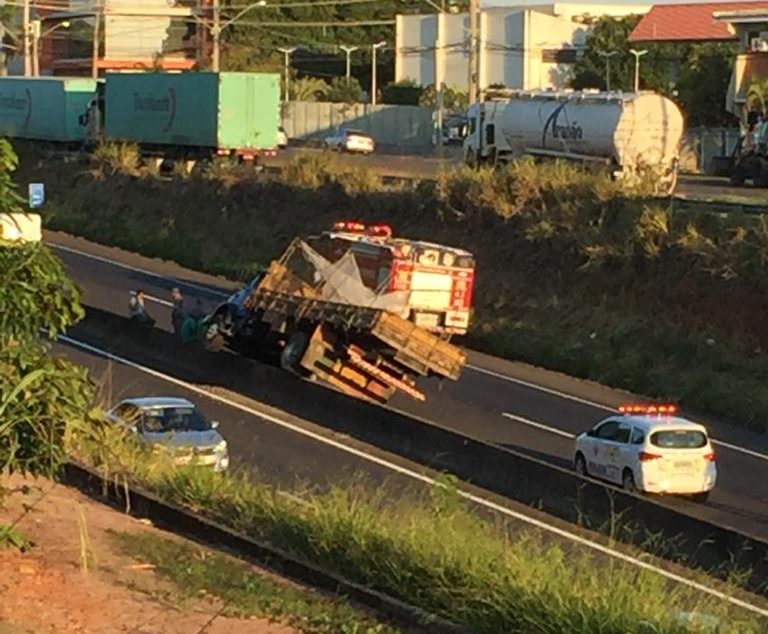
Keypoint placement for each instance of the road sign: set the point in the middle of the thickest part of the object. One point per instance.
(36, 195)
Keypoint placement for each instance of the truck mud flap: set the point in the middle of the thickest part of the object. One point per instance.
(419, 349)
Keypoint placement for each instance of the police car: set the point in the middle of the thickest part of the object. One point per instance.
(647, 448)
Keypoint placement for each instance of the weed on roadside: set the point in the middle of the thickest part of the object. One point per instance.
(196, 571)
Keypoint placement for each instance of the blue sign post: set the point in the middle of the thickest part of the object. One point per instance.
(36, 195)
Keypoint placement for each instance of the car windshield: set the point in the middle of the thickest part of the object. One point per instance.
(679, 439)
(169, 419)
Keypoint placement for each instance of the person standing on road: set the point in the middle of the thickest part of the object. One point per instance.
(177, 312)
(137, 310)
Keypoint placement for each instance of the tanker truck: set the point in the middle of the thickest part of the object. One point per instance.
(626, 133)
(362, 311)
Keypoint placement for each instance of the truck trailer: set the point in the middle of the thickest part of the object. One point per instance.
(626, 133)
(45, 108)
(189, 115)
(363, 311)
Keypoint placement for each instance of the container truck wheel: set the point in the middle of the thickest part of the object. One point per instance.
(738, 176)
(293, 352)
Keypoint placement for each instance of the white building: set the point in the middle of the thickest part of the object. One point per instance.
(528, 46)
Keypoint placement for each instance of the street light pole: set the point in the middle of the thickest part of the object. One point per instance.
(216, 36)
(217, 27)
(27, 28)
(607, 55)
(287, 52)
(37, 35)
(638, 55)
(349, 50)
(374, 48)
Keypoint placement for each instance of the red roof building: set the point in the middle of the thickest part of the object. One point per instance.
(689, 22)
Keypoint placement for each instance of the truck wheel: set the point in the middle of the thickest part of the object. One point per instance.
(761, 178)
(214, 340)
(737, 176)
(293, 352)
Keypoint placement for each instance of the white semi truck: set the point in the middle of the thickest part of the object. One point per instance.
(628, 133)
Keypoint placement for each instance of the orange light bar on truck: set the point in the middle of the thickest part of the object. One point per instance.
(382, 231)
(356, 227)
(648, 409)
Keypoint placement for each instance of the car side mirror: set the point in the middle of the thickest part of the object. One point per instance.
(591, 433)
(214, 424)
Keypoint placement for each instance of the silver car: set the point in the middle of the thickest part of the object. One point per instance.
(177, 425)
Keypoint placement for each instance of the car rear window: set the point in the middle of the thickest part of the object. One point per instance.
(679, 439)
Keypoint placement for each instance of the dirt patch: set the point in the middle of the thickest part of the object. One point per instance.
(75, 580)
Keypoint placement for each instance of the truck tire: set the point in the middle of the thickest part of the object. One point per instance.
(293, 352)
(761, 178)
(738, 176)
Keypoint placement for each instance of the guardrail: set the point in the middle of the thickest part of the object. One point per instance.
(542, 485)
(142, 504)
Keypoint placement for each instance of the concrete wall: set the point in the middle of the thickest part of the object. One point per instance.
(407, 127)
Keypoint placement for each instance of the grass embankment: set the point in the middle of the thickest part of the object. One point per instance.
(435, 555)
(574, 273)
(197, 571)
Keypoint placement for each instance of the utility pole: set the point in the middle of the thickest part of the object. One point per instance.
(374, 88)
(607, 55)
(287, 52)
(349, 50)
(27, 28)
(35, 28)
(96, 39)
(474, 32)
(638, 55)
(216, 35)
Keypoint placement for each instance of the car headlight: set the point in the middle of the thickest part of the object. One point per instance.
(221, 447)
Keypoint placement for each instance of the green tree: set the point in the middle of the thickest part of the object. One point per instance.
(309, 89)
(346, 92)
(454, 99)
(695, 75)
(41, 397)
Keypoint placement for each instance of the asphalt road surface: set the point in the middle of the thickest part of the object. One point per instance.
(428, 167)
(506, 403)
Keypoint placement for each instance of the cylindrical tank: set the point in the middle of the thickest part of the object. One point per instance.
(633, 130)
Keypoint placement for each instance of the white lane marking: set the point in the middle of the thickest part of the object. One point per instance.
(498, 375)
(605, 550)
(526, 421)
(540, 388)
(560, 432)
(571, 397)
(128, 267)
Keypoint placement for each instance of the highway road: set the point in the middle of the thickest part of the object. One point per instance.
(506, 403)
(429, 166)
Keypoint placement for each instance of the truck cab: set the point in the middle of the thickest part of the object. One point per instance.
(485, 142)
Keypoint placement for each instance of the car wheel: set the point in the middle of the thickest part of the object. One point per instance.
(701, 498)
(628, 481)
(580, 465)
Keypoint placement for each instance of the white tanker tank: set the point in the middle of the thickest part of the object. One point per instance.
(628, 133)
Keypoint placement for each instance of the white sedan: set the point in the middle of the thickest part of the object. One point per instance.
(647, 448)
(351, 141)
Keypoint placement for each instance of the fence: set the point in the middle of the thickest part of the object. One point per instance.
(702, 145)
(404, 127)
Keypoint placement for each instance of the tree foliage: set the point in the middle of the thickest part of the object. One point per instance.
(41, 396)
(695, 75)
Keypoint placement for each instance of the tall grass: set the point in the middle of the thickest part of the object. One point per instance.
(435, 555)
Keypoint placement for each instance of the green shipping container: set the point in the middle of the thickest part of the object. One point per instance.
(233, 112)
(44, 108)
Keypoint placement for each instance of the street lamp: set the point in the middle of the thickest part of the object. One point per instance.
(607, 55)
(288, 52)
(218, 27)
(349, 50)
(37, 35)
(638, 55)
(374, 48)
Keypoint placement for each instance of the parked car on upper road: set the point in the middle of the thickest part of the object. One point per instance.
(177, 425)
(647, 448)
(346, 140)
